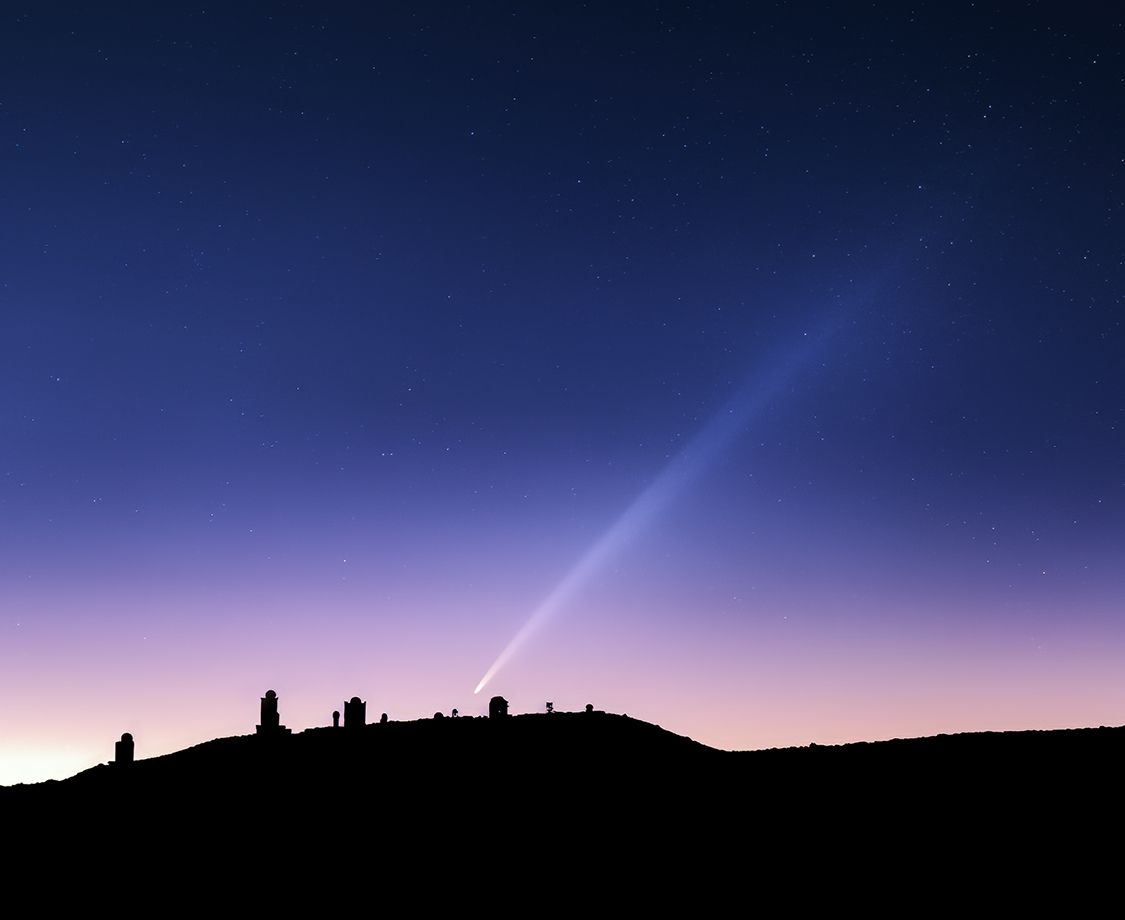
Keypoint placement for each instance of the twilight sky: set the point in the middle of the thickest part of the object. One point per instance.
(333, 337)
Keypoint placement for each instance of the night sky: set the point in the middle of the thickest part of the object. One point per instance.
(333, 337)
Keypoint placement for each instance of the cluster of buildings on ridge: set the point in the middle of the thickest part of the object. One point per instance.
(355, 716)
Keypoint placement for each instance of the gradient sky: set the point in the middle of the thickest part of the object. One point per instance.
(332, 338)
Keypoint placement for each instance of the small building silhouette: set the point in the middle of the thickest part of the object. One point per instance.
(335, 718)
(123, 750)
(271, 722)
(497, 707)
(355, 713)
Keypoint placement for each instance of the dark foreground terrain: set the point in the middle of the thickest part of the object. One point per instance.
(588, 809)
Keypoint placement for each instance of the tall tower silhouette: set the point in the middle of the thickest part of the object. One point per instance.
(271, 721)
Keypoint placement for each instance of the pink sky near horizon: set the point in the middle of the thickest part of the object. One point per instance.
(781, 664)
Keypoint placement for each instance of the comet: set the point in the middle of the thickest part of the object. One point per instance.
(759, 392)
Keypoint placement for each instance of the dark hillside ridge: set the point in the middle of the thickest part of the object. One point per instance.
(594, 794)
(572, 749)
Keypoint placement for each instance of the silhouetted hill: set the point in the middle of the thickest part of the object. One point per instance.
(584, 796)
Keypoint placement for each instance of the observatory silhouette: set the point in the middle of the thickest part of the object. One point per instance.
(271, 722)
(355, 713)
(123, 750)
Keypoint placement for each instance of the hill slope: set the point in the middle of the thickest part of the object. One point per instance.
(486, 800)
